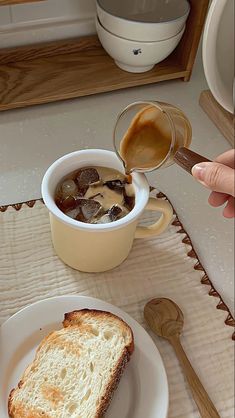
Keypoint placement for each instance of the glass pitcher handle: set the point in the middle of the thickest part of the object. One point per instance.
(186, 158)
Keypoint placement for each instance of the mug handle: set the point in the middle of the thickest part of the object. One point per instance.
(158, 227)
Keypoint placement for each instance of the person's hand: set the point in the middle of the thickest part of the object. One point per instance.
(219, 177)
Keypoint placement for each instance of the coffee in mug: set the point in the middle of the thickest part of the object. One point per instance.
(95, 195)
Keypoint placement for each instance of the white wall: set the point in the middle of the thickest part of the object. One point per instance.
(46, 20)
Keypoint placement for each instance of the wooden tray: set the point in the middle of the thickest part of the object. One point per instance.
(61, 70)
(219, 116)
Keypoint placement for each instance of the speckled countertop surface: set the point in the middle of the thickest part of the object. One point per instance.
(32, 138)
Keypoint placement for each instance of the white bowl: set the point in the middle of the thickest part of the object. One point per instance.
(218, 52)
(143, 20)
(135, 56)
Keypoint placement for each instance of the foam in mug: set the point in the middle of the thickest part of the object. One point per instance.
(95, 195)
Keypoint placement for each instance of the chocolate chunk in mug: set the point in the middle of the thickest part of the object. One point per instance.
(116, 185)
(73, 213)
(80, 217)
(129, 200)
(87, 176)
(68, 203)
(89, 208)
(114, 212)
(82, 191)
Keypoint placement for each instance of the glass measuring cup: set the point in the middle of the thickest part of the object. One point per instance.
(150, 135)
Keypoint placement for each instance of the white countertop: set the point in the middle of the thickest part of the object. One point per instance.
(32, 138)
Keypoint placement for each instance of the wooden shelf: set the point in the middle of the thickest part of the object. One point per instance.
(60, 70)
(64, 70)
(12, 2)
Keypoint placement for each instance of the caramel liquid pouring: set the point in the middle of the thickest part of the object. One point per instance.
(147, 141)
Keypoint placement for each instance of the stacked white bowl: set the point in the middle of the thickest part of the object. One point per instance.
(138, 34)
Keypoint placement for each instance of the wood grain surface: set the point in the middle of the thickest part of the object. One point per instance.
(204, 403)
(223, 119)
(187, 49)
(12, 2)
(48, 49)
(186, 158)
(64, 70)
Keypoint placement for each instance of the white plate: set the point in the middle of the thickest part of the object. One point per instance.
(218, 51)
(143, 390)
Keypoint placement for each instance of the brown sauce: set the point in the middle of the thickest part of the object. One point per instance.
(147, 141)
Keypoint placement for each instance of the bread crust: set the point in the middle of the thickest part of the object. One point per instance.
(10, 403)
(113, 384)
(72, 319)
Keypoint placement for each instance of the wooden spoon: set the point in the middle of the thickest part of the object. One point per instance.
(166, 320)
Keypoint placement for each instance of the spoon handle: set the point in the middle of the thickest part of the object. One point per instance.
(186, 158)
(205, 405)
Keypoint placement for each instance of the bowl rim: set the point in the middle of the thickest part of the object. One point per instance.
(144, 23)
(133, 40)
(209, 42)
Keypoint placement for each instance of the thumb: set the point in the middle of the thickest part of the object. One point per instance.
(217, 177)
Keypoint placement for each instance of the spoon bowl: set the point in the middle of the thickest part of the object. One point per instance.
(164, 317)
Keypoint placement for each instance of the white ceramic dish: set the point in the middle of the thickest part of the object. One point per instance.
(218, 51)
(135, 56)
(139, 20)
(143, 390)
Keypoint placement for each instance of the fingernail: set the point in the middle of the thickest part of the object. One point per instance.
(198, 171)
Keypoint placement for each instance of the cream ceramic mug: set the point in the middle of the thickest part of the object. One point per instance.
(99, 247)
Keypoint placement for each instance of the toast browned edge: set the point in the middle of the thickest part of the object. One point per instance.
(10, 401)
(69, 320)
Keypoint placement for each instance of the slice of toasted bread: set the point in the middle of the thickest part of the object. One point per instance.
(76, 369)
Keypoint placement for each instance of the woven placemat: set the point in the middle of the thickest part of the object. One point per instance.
(165, 266)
